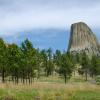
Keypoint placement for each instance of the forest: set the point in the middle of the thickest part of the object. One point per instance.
(24, 63)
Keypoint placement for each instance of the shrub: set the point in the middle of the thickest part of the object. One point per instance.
(98, 79)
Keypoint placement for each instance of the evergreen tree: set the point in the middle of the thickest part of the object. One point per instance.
(14, 61)
(28, 60)
(3, 59)
(95, 66)
(85, 65)
(57, 58)
(50, 66)
(44, 61)
(66, 67)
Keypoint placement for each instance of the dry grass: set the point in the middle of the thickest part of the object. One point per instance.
(54, 86)
(47, 89)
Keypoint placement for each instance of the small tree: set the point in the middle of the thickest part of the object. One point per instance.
(66, 67)
(44, 60)
(95, 66)
(85, 65)
(57, 57)
(50, 66)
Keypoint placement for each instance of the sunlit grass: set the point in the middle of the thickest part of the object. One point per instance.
(50, 89)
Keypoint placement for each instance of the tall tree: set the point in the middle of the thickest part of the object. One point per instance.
(50, 67)
(38, 62)
(28, 60)
(66, 67)
(14, 61)
(57, 57)
(95, 66)
(3, 59)
(44, 58)
(85, 64)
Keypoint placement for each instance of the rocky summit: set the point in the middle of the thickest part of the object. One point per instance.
(82, 39)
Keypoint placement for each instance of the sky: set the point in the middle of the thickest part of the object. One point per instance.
(46, 22)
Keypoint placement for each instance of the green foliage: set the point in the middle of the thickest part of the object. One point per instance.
(3, 58)
(47, 61)
(95, 66)
(28, 60)
(98, 79)
(25, 62)
(57, 57)
(85, 62)
(13, 55)
(66, 66)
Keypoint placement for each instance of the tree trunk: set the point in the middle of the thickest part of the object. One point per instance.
(17, 76)
(23, 77)
(3, 75)
(12, 78)
(17, 79)
(26, 80)
(65, 78)
(31, 77)
(86, 75)
(23, 80)
(29, 80)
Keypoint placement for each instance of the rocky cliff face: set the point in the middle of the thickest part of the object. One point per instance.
(83, 39)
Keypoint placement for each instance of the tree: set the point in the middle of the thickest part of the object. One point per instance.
(14, 61)
(98, 66)
(47, 61)
(28, 60)
(50, 67)
(57, 58)
(44, 61)
(38, 60)
(95, 66)
(3, 59)
(85, 64)
(66, 66)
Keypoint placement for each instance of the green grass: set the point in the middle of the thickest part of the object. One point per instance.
(86, 95)
(52, 88)
(18, 94)
(49, 95)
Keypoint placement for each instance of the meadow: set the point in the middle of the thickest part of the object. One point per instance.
(51, 88)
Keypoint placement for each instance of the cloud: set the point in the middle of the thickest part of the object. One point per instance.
(25, 15)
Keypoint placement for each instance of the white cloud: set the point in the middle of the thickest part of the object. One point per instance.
(25, 15)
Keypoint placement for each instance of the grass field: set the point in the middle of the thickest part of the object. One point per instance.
(48, 89)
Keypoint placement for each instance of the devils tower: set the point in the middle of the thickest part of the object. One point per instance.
(82, 39)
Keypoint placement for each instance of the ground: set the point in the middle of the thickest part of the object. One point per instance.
(51, 88)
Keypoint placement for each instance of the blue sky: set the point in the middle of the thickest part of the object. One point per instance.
(46, 22)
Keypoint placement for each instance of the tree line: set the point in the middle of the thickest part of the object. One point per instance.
(24, 63)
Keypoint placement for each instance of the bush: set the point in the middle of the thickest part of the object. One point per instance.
(98, 79)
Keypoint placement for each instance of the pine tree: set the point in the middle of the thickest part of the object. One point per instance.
(66, 67)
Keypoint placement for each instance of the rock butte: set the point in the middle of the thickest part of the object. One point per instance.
(82, 39)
